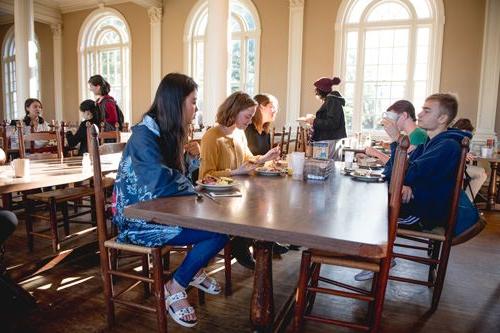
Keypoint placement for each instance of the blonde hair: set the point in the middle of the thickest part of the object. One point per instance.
(234, 104)
(263, 100)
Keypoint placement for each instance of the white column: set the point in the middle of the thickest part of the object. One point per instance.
(295, 32)
(490, 72)
(58, 60)
(155, 17)
(216, 58)
(25, 60)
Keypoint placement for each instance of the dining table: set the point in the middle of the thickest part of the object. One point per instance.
(51, 172)
(493, 160)
(338, 214)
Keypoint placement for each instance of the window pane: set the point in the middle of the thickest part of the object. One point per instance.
(388, 11)
(250, 67)
(356, 11)
(422, 8)
(235, 65)
(235, 25)
(243, 12)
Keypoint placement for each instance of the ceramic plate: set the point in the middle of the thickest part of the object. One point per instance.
(267, 172)
(217, 187)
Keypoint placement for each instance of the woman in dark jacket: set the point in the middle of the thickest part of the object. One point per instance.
(329, 124)
(88, 111)
(257, 133)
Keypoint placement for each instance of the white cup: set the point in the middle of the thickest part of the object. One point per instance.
(298, 159)
(390, 115)
(486, 152)
(349, 159)
(21, 167)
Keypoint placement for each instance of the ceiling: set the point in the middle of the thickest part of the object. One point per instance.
(50, 11)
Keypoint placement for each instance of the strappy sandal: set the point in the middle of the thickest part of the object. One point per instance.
(206, 284)
(179, 314)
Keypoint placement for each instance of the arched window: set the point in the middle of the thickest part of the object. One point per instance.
(245, 38)
(390, 50)
(9, 75)
(104, 48)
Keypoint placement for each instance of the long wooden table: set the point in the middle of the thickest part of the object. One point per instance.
(492, 187)
(339, 214)
(52, 172)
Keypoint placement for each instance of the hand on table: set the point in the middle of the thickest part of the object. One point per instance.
(244, 169)
(272, 154)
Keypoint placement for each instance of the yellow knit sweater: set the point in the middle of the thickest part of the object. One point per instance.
(222, 153)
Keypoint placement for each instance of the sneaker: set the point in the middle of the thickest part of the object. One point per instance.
(368, 275)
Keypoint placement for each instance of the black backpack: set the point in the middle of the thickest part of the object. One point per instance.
(102, 111)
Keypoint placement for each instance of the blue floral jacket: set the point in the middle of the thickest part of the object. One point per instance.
(143, 176)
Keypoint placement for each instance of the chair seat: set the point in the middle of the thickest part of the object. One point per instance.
(434, 234)
(340, 259)
(61, 195)
(114, 244)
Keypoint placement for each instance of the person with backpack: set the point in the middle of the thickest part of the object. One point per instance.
(109, 111)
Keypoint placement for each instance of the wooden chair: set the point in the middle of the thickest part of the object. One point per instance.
(284, 139)
(301, 139)
(437, 242)
(51, 200)
(109, 245)
(313, 259)
(109, 136)
(31, 138)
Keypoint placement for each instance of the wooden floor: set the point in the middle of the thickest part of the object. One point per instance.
(70, 294)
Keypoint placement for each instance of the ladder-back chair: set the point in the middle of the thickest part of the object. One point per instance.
(36, 153)
(284, 139)
(313, 259)
(437, 242)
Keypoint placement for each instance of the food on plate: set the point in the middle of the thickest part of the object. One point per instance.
(212, 180)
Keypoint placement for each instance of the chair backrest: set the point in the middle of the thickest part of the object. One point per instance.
(39, 136)
(459, 178)
(284, 139)
(93, 143)
(395, 188)
(109, 135)
(3, 135)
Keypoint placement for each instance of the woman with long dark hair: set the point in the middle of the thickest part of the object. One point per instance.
(152, 166)
(257, 133)
(108, 109)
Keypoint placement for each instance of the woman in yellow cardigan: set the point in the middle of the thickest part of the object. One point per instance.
(224, 148)
(225, 152)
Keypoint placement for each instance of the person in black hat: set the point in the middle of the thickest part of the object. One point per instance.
(329, 124)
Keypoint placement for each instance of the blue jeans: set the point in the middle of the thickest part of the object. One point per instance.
(206, 245)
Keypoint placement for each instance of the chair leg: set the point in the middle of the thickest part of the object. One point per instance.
(108, 285)
(64, 208)
(371, 305)
(145, 272)
(383, 276)
(28, 205)
(166, 261)
(113, 263)
(227, 269)
(159, 290)
(436, 248)
(201, 297)
(300, 296)
(93, 211)
(53, 224)
(311, 297)
(441, 274)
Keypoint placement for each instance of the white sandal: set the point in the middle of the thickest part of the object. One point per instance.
(213, 287)
(179, 314)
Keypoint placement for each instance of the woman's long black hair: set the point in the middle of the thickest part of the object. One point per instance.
(98, 80)
(167, 111)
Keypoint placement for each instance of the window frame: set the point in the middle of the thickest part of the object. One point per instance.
(88, 55)
(435, 22)
(198, 12)
(8, 86)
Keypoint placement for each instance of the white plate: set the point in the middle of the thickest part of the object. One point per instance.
(265, 172)
(216, 187)
(368, 178)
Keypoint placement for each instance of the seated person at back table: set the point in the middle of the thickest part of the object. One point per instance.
(225, 152)
(88, 112)
(400, 116)
(477, 175)
(153, 166)
(430, 175)
(33, 118)
(258, 132)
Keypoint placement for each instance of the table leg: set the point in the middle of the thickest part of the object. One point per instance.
(492, 186)
(262, 303)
